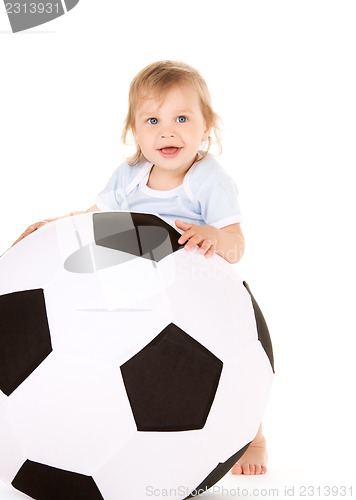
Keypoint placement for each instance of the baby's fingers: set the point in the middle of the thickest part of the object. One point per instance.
(186, 236)
(210, 252)
(30, 230)
(194, 240)
(207, 248)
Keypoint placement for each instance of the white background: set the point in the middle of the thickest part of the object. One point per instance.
(282, 76)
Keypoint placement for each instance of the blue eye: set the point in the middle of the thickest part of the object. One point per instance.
(181, 119)
(152, 121)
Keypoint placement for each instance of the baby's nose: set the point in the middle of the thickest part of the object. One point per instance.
(167, 133)
(167, 130)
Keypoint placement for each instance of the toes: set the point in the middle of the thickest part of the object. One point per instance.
(249, 469)
(237, 469)
(246, 469)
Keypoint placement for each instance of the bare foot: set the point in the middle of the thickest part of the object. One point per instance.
(254, 460)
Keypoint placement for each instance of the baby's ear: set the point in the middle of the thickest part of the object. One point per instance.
(206, 133)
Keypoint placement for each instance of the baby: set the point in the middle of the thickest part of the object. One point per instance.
(172, 174)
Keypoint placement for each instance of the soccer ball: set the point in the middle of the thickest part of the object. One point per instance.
(122, 362)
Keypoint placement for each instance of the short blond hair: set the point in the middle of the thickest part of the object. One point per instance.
(157, 79)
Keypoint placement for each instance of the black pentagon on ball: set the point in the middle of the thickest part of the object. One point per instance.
(44, 482)
(25, 339)
(141, 235)
(171, 383)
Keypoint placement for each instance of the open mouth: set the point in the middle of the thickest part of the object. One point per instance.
(169, 151)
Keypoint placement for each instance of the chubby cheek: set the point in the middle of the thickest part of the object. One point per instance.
(145, 141)
(148, 147)
(193, 136)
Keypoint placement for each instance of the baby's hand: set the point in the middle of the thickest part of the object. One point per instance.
(37, 225)
(31, 229)
(206, 237)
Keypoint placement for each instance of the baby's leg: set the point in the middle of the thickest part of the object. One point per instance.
(254, 460)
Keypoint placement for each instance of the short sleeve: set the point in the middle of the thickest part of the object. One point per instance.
(217, 195)
(113, 197)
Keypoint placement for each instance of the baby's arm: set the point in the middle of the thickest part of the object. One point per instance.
(231, 243)
(228, 242)
(41, 223)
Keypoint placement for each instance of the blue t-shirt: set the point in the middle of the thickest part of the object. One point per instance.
(208, 194)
